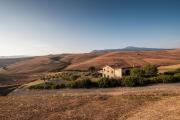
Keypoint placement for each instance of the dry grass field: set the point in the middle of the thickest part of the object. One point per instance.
(168, 68)
(146, 103)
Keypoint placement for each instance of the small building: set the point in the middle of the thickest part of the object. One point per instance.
(115, 71)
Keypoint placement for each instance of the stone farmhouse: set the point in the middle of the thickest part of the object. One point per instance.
(115, 71)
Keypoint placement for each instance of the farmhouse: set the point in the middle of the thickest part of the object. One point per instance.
(115, 71)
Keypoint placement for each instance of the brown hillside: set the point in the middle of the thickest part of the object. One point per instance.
(84, 61)
(47, 63)
(167, 57)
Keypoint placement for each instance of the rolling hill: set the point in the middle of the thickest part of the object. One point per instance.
(84, 61)
(164, 57)
(31, 68)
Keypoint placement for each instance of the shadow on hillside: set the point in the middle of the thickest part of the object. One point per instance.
(7, 89)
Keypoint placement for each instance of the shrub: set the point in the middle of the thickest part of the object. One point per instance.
(96, 74)
(165, 78)
(150, 70)
(177, 77)
(62, 85)
(71, 84)
(153, 80)
(169, 73)
(84, 83)
(129, 81)
(137, 72)
(45, 86)
(53, 86)
(73, 77)
(105, 83)
(177, 70)
(115, 83)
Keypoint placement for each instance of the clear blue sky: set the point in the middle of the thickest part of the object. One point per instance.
(36, 27)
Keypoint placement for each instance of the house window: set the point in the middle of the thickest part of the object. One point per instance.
(127, 72)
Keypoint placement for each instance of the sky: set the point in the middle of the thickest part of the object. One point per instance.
(40, 27)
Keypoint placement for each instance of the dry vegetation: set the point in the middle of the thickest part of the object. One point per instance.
(168, 68)
(159, 101)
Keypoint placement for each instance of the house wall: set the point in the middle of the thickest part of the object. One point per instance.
(108, 72)
(111, 73)
(118, 73)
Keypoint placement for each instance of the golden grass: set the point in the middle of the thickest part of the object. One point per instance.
(168, 68)
(144, 102)
(32, 83)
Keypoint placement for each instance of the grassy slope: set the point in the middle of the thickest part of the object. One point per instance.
(168, 68)
(102, 104)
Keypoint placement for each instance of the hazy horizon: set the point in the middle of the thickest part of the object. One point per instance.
(41, 27)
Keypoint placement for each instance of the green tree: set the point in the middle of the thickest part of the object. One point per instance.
(177, 70)
(129, 81)
(137, 72)
(106, 82)
(150, 70)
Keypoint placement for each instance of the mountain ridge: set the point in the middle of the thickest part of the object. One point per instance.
(129, 48)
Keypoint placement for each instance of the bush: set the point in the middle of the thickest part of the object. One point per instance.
(137, 72)
(46, 86)
(153, 80)
(150, 70)
(177, 70)
(61, 86)
(84, 83)
(105, 83)
(73, 77)
(169, 73)
(177, 77)
(165, 78)
(131, 81)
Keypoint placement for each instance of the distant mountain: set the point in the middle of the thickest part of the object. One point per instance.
(129, 48)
